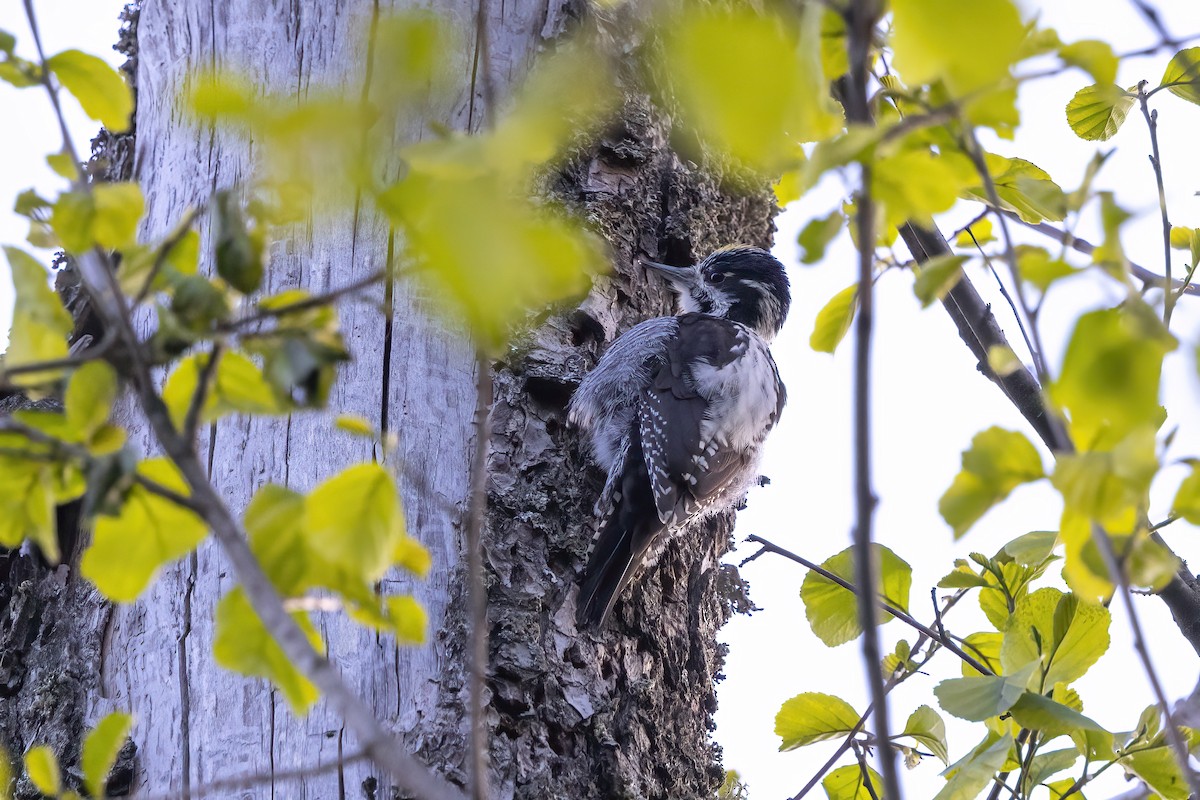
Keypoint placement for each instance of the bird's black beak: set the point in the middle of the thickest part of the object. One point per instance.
(681, 277)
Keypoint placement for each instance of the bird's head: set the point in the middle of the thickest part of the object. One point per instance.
(739, 283)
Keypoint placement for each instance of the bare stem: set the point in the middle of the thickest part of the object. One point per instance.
(1151, 118)
(476, 587)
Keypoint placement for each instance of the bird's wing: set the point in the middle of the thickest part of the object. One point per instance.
(670, 422)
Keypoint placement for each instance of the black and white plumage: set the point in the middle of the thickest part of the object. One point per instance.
(677, 411)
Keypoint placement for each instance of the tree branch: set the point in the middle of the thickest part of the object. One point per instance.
(1151, 118)
(861, 17)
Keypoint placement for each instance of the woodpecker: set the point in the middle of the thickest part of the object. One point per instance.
(676, 413)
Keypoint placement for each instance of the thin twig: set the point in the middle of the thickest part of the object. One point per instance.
(228, 786)
(67, 362)
(315, 301)
(898, 613)
(1005, 294)
(976, 154)
(164, 250)
(200, 395)
(476, 587)
(1087, 248)
(167, 493)
(1151, 118)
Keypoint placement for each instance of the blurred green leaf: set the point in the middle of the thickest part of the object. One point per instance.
(1110, 375)
(129, 548)
(356, 517)
(40, 324)
(243, 645)
(1032, 548)
(89, 397)
(517, 257)
(934, 39)
(997, 462)
(239, 247)
(1093, 56)
(99, 88)
(237, 387)
(915, 184)
(832, 610)
(1182, 77)
(42, 769)
(833, 320)
(817, 234)
(1039, 269)
(759, 121)
(813, 717)
(100, 751)
(1097, 112)
(1187, 497)
(983, 234)
(936, 277)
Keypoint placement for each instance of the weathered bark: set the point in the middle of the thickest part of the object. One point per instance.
(623, 713)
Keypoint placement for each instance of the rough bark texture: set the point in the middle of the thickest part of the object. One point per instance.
(623, 713)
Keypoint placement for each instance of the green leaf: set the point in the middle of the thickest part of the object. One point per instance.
(1182, 77)
(1110, 374)
(757, 122)
(817, 234)
(962, 577)
(927, 727)
(1110, 486)
(1071, 635)
(934, 40)
(974, 772)
(1032, 548)
(936, 277)
(984, 647)
(1160, 771)
(408, 618)
(117, 209)
(982, 231)
(412, 556)
(40, 324)
(42, 769)
(1048, 764)
(100, 750)
(977, 699)
(997, 462)
(1039, 713)
(832, 611)
(518, 257)
(89, 397)
(99, 88)
(1023, 188)
(27, 501)
(833, 320)
(1097, 112)
(1093, 56)
(813, 717)
(239, 248)
(242, 644)
(915, 184)
(238, 387)
(356, 517)
(849, 783)
(1039, 269)
(1187, 239)
(274, 522)
(1187, 498)
(128, 549)
(356, 425)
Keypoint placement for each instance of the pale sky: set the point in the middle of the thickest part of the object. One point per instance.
(929, 401)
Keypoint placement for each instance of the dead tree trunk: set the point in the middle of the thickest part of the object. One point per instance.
(623, 713)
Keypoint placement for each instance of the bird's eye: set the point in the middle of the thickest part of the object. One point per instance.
(717, 277)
